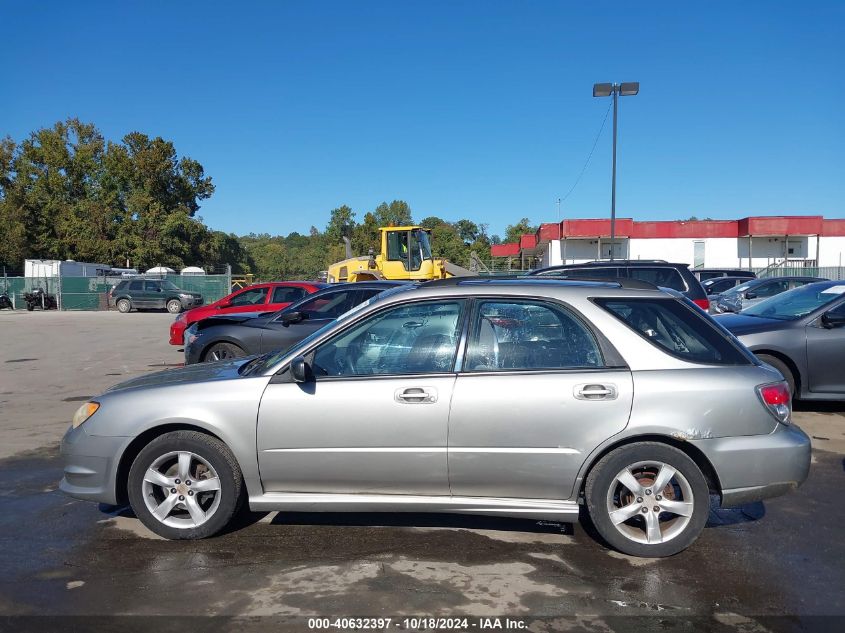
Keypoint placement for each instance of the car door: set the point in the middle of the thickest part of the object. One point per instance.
(374, 419)
(153, 295)
(252, 299)
(533, 399)
(826, 354)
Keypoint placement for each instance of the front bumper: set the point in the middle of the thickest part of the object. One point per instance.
(90, 465)
(755, 467)
(191, 302)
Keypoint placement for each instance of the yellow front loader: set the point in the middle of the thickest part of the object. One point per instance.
(405, 254)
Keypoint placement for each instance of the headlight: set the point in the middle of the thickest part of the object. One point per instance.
(84, 412)
(185, 295)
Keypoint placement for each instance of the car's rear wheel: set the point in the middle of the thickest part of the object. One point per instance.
(648, 499)
(124, 305)
(223, 351)
(782, 368)
(185, 485)
(174, 306)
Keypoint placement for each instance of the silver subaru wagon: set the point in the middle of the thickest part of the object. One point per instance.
(521, 398)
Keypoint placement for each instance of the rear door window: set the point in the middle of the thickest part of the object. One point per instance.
(527, 335)
(663, 276)
(678, 329)
(287, 294)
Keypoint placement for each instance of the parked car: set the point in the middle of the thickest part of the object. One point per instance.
(235, 335)
(658, 272)
(156, 294)
(747, 294)
(265, 297)
(801, 333)
(526, 398)
(717, 285)
(703, 274)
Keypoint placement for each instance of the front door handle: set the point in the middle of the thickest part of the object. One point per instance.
(416, 395)
(595, 391)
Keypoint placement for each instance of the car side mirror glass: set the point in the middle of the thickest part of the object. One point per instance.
(833, 319)
(300, 371)
(750, 295)
(225, 304)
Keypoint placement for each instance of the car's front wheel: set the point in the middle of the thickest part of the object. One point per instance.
(185, 485)
(174, 306)
(223, 351)
(648, 499)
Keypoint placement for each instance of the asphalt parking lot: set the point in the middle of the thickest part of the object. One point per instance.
(771, 566)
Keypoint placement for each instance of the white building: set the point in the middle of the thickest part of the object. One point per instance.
(753, 242)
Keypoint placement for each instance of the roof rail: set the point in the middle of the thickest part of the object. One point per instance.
(610, 262)
(622, 282)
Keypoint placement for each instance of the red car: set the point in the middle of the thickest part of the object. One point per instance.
(266, 297)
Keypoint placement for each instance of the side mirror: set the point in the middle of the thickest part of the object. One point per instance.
(750, 295)
(299, 370)
(225, 304)
(833, 319)
(291, 317)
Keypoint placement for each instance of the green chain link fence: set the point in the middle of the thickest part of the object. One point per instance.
(91, 293)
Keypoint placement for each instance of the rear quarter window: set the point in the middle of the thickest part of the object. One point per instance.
(665, 277)
(679, 330)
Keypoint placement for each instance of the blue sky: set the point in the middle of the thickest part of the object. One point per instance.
(479, 110)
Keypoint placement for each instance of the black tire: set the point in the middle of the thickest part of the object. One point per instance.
(783, 369)
(602, 484)
(30, 307)
(173, 306)
(222, 351)
(124, 306)
(232, 491)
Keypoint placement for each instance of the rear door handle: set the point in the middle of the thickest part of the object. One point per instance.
(595, 391)
(416, 395)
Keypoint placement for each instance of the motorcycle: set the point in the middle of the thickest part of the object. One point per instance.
(39, 299)
(5, 302)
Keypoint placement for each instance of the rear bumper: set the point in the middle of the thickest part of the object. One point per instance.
(756, 467)
(177, 332)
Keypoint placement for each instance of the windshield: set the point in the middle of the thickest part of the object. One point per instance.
(267, 361)
(739, 289)
(424, 242)
(796, 303)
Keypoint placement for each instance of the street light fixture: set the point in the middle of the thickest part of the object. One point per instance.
(626, 89)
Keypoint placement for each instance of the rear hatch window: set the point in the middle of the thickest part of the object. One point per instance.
(663, 276)
(678, 329)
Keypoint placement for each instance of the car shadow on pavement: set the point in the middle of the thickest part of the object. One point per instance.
(243, 519)
(414, 519)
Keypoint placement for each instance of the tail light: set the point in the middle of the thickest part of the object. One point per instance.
(777, 399)
(704, 304)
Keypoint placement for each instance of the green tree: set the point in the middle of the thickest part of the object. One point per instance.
(514, 231)
(397, 213)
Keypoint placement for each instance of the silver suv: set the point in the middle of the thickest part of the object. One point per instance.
(523, 398)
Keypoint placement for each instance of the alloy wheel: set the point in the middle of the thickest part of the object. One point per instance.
(181, 489)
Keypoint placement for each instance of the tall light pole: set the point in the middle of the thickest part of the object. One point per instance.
(625, 89)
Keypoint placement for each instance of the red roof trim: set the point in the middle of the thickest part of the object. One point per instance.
(833, 228)
(505, 250)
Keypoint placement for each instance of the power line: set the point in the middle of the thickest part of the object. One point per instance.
(587, 162)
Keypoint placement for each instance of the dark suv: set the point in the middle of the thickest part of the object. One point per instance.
(158, 294)
(655, 271)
